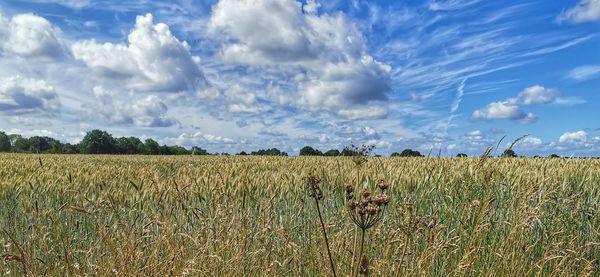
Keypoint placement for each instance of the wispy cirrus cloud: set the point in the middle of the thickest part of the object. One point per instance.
(585, 72)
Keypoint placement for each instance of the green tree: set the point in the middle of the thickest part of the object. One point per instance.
(461, 155)
(39, 144)
(56, 147)
(130, 145)
(332, 153)
(407, 153)
(199, 151)
(20, 144)
(152, 147)
(269, 152)
(178, 150)
(98, 142)
(508, 153)
(70, 149)
(4, 142)
(309, 151)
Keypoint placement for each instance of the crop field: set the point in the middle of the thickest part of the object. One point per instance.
(257, 216)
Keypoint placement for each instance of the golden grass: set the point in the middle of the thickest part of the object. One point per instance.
(251, 216)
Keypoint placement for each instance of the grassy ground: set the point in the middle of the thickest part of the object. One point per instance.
(232, 216)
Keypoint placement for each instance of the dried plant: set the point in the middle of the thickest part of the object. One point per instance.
(316, 193)
(366, 211)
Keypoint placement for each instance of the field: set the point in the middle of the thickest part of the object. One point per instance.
(252, 216)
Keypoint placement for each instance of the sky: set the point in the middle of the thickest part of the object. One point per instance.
(438, 76)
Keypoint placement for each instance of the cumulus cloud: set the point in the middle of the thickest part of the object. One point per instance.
(241, 100)
(236, 98)
(152, 60)
(198, 138)
(511, 108)
(578, 137)
(327, 50)
(364, 112)
(537, 95)
(583, 73)
(23, 95)
(584, 11)
(148, 111)
(503, 110)
(31, 36)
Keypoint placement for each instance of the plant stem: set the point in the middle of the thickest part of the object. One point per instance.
(356, 187)
(360, 252)
(325, 235)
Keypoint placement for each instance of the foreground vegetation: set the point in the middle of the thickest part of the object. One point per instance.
(243, 215)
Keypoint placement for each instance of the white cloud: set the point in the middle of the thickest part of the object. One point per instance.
(365, 112)
(449, 5)
(511, 108)
(148, 111)
(500, 110)
(584, 11)
(153, 59)
(311, 6)
(31, 36)
(24, 95)
(74, 4)
(531, 142)
(241, 100)
(537, 95)
(328, 49)
(583, 73)
(197, 139)
(578, 137)
(451, 147)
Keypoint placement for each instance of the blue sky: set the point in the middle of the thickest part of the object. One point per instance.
(230, 75)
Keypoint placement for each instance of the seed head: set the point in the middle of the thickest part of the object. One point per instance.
(352, 204)
(382, 185)
(349, 188)
(381, 199)
(365, 193)
(372, 209)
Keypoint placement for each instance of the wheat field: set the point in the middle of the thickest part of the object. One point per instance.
(252, 216)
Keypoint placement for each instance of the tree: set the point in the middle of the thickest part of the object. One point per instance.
(178, 150)
(152, 147)
(461, 155)
(332, 153)
(407, 153)
(553, 156)
(98, 142)
(508, 153)
(309, 151)
(21, 144)
(243, 153)
(269, 152)
(56, 147)
(199, 151)
(40, 144)
(130, 145)
(4, 142)
(71, 149)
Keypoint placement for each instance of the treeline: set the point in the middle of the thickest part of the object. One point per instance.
(101, 142)
(350, 151)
